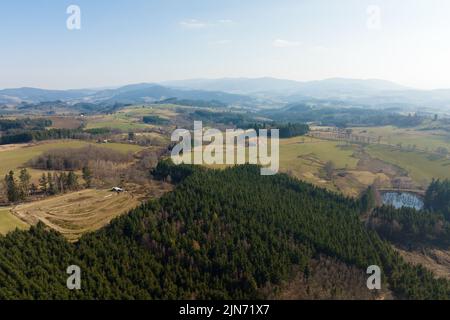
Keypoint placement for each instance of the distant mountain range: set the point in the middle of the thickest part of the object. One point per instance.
(255, 92)
(35, 95)
(320, 88)
(368, 92)
(135, 93)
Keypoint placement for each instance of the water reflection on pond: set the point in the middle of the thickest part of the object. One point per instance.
(402, 199)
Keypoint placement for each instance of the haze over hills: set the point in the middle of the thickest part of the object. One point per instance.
(239, 85)
(287, 87)
(255, 92)
(134, 93)
(39, 95)
(362, 92)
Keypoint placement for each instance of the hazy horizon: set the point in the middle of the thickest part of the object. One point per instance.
(164, 83)
(405, 42)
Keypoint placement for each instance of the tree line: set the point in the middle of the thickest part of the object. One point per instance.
(287, 130)
(77, 158)
(343, 117)
(25, 123)
(437, 197)
(156, 120)
(25, 136)
(49, 184)
(41, 135)
(411, 228)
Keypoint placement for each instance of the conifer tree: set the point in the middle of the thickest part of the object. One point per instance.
(24, 185)
(87, 176)
(12, 189)
(43, 183)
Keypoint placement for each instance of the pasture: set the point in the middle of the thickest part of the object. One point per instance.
(296, 148)
(305, 157)
(420, 166)
(356, 166)
(165, 111)
(66, 122)
(115, 121)
(130, 118)
(426, 140)
(9, 222)
(13, 157)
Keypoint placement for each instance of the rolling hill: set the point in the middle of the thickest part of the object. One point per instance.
(319, 89)
(248, 92)
(135, 93)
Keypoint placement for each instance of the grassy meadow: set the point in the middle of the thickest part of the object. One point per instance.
(130, 118)
(421, 167)
(305, 158)
(423, 139)
(115, 121)
(15, 157)
(8, 222)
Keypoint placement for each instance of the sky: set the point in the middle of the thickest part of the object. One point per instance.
(132, 41)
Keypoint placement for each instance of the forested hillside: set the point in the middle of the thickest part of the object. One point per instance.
(410, 227)
(220, 234)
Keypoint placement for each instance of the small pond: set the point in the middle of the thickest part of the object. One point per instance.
(402, 199)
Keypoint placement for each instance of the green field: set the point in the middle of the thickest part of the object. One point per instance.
(293, 148)
(428, 140)
(9, 222)
(166, 111)
(11, 159)
(130, 118)
(304, 157)
(421, 167)
(116, 121)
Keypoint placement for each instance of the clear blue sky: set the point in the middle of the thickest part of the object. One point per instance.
(128, 41)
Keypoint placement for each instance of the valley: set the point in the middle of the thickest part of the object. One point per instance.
(225, 155)
(115, 157)
(345, 161)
